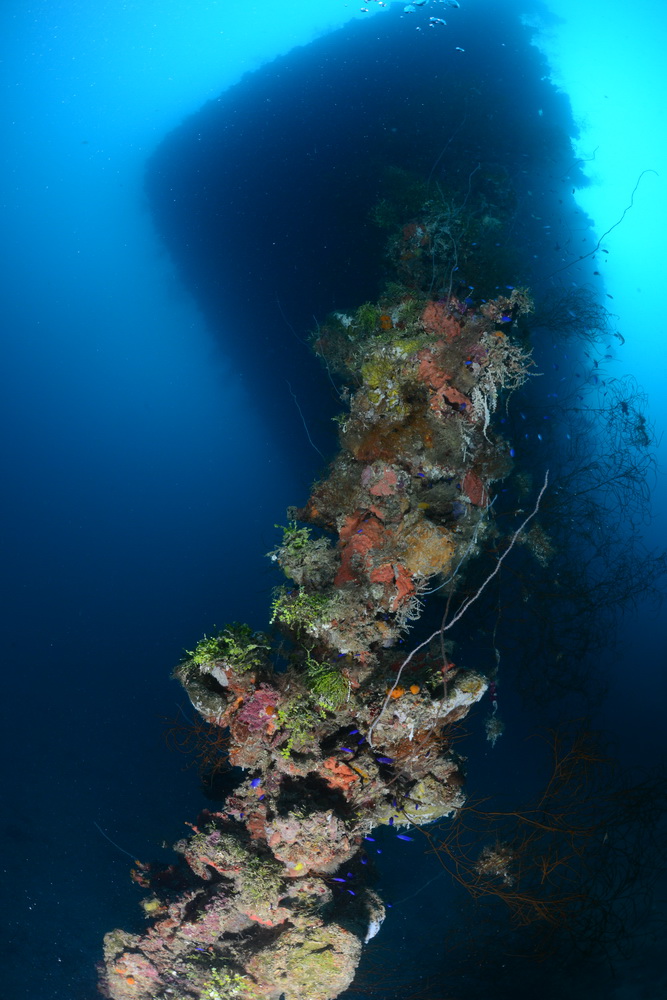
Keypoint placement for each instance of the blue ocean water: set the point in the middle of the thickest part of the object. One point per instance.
(172, 227)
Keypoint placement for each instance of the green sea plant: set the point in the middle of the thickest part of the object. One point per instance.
(224, 984)
(298, 610)
(367, 317)
(262, 878)
(294, 539)
(236, 644)
(310, 562)
(328, 686)
(298, 719)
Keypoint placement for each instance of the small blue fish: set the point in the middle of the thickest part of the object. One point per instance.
(403, 836)
(351, 892)
(391, 821)
(370, 838)
(353, 732)
(255, 782)
(385, 760)
(347, 750)
(261, 797)
(337, 879)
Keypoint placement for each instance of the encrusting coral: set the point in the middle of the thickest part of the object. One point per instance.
(271, 899)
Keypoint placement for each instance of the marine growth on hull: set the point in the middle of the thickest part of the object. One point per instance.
(338, 726)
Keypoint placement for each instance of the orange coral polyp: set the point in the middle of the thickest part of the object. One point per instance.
(397, 692)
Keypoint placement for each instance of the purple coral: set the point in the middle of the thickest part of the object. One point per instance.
(254, 713)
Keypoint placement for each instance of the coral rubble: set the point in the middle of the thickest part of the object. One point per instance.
(270, 899)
